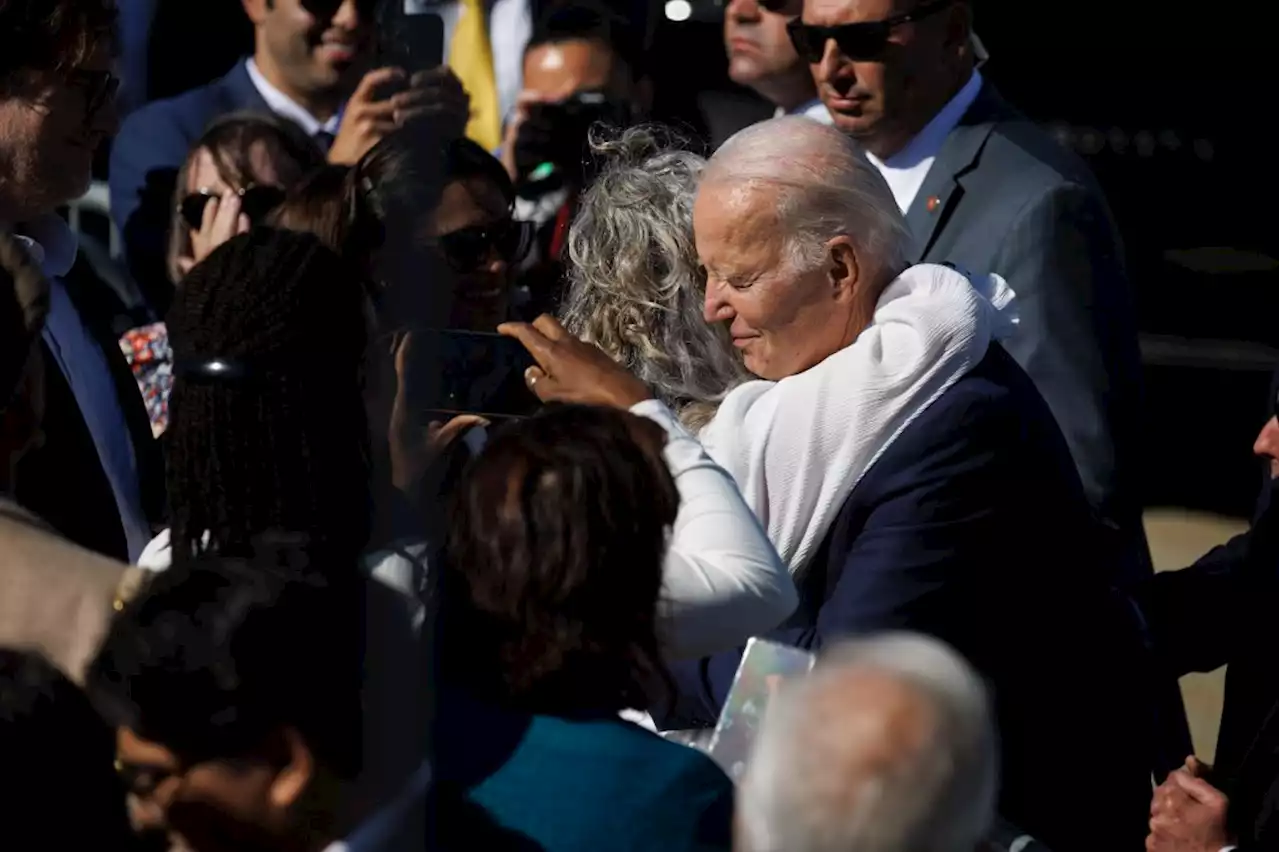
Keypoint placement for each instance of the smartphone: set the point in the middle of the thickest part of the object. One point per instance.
(765, 666)
(414, 42)
(469, 372)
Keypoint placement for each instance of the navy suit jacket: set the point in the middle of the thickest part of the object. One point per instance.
(1222, 611)
(1003, 196)
(973, 527)
(147, 153)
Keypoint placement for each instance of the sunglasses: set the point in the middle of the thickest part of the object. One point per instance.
(467, 249)
(861, 42)
(255, 202)
(99, 88)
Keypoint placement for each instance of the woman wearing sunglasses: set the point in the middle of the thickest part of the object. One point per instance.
(235, 175)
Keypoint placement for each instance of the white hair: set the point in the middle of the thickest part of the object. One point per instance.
(636, 288)
(824, 188)
(819, 778)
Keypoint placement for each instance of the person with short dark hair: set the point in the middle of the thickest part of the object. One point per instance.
(548, 628)
(57, 106)
(234, 686)
(56, 749)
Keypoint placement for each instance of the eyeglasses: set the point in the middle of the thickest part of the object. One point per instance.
(99, 88)
(862, 42)
(255, 202)
(467, 249)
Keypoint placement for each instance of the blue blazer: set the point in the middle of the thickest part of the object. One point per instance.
(973, 527)
(147, 153)
(573, 784)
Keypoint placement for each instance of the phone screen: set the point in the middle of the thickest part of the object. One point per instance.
(469, 372)
(414, 42)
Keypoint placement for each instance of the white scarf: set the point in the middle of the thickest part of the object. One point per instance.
(798, 446)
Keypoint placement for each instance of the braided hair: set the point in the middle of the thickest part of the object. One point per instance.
(268, 430)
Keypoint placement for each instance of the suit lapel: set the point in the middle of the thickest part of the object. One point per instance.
(944, 185)
(128, 395)
(239, 91)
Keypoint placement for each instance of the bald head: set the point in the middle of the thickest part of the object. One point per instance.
(886, 747)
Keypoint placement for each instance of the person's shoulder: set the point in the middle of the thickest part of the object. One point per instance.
(185, 115)
(1028, 158)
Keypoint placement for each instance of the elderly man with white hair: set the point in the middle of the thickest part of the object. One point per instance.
(902, 463)
(887, 746)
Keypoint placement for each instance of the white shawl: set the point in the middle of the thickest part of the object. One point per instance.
(798, 446)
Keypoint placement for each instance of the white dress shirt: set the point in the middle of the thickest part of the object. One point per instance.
(906, 170)
(814, 109)
(84, 366)
(286, 107)
(510, 26)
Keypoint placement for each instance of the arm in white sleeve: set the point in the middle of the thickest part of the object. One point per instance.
(722, 581)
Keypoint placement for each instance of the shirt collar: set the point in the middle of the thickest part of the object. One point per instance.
(928, 142)
(52, 244)
(813, 109)
(286, 107)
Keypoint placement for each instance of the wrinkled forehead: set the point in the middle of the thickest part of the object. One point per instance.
(830, 13)
(735, 210)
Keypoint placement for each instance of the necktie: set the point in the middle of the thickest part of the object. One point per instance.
(324, 139)
(472, 60)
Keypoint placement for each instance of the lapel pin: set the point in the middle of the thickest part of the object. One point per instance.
(931, 203)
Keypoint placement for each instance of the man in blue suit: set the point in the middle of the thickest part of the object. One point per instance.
(308, 58)
(970, 525)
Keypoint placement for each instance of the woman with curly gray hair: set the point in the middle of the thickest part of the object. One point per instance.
(636, 287)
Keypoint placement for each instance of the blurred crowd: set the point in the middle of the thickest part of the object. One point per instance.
(456, 458)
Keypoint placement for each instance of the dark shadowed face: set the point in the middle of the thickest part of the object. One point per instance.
(757, 43)
(51, 124)
(1268, 445)
(886, 95)
(316, 46)
(213, 806)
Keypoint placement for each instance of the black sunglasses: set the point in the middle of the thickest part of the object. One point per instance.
(861, 42)
(255, 202)
(99, 88)
(467, 249)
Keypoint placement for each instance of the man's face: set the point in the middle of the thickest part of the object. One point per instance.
(553, 72)
(886, 96)
(783, 323)
(204, 807)
(1268, 445)
(320, 47)
(51, 124)
(757, 43)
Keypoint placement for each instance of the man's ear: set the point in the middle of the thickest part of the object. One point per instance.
(257, 9)
(842, 267)
(297, 769)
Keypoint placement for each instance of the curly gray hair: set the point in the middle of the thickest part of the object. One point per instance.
(636, 287)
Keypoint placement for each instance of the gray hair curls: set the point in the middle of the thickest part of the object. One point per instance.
(636, 289)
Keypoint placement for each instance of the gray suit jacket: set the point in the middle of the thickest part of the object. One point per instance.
(1003, 196)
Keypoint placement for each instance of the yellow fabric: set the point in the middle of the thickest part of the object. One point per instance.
(471, 59)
